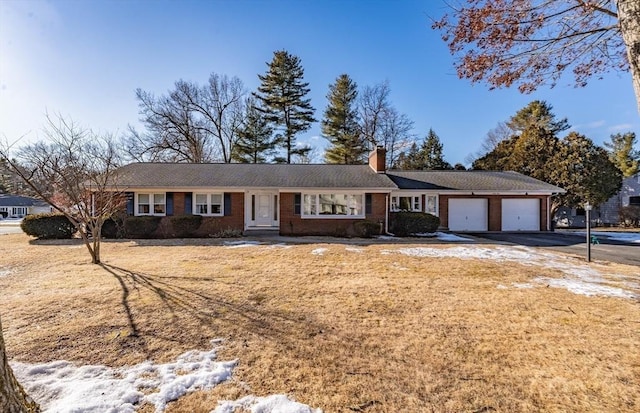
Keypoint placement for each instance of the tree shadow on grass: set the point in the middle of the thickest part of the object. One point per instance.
(208, 309)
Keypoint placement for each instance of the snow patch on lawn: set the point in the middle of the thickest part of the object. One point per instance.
(61, 386)
(240, 244)
(319, 251)
(354, 249)
(4, 272)
(579, 278)
(277, 403)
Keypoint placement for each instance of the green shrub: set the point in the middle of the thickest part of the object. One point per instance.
(403, 224)
(366, 228)
(48, 226)
(630, 216)
(141, 227)
(113, 228)
(183, 226)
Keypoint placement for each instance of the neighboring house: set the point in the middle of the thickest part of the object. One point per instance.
(16, 206)
(330, 199)
(629, 194)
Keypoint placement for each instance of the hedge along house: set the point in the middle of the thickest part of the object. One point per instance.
(299, 199)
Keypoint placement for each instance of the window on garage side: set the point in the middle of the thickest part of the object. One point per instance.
(431, 204)
(406, 203)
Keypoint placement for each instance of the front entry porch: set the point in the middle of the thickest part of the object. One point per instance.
(262, 211)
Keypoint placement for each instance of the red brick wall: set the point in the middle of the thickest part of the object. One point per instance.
(292, 224)
(495, 209)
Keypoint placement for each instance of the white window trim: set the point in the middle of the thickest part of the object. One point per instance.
(136, 204)
(407, 195)
(437, 204)
(208, 194)
(317, 215)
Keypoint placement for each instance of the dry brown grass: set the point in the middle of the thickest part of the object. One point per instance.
(344, 331)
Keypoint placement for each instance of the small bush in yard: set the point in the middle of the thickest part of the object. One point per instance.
(630, 216)
(227, 233)
(48, 226)
(403, 224)
(141, 227)
(183, 226)
(366, 229)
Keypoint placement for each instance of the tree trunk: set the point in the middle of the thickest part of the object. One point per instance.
(13, 398)
(629, 17)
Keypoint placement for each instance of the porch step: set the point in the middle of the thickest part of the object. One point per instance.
(261, 232)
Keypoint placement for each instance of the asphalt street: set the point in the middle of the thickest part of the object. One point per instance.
(607, 249)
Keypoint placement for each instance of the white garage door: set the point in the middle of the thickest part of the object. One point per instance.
(468, 214)
(521, 215)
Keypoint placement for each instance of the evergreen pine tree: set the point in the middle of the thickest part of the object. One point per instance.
(340, 124)
(537, 114)
(255, 137)
(431, 153)
(622, 153)
(282, 95)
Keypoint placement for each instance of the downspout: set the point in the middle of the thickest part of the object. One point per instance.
(386, 213)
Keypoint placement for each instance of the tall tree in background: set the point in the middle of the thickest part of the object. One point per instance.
(537, 114)
(427, 156)
(192, 123)
(531, 43)
(381, 124)
(573, 163)
(255, 137)
(623, 154)
(340, 124)
(282, 95)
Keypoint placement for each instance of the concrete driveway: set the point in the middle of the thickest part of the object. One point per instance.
(567, 242)
(10, 226)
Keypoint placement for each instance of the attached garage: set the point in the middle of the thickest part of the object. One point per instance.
(521, 214)
(468, 214)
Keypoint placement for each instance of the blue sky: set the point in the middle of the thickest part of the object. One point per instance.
(84, 60)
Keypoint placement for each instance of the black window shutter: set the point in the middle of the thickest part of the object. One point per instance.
(296, 204)
(227, 204)
(169, 203)
(368, 208)
(187, 203)
(130, 197)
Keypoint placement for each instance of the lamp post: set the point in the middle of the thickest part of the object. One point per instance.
(587, 209)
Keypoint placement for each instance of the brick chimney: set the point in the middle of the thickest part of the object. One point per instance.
(377, 159)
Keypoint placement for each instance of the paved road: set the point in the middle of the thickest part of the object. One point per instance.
(607, 250)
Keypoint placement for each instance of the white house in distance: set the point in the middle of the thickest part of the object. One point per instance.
(17, 206)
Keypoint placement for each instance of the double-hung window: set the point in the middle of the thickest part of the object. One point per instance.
(151, 204)
(431, 204)
(208, 204)
(406, 203)
(332, 205)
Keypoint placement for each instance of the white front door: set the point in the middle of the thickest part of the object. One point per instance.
(262, 209)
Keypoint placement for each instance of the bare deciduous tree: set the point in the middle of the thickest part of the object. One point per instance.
(191, 123)
(13, 398)
(381, 124)
(80, 172)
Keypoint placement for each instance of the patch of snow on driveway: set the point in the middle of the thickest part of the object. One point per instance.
(240, 244)
(633, 237)
(579, 278)
(319, 251)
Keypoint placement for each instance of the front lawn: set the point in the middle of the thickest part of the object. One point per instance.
(383, 327)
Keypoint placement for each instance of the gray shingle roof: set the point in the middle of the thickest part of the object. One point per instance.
(162, 175)
(470, 181)
(18, 200)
